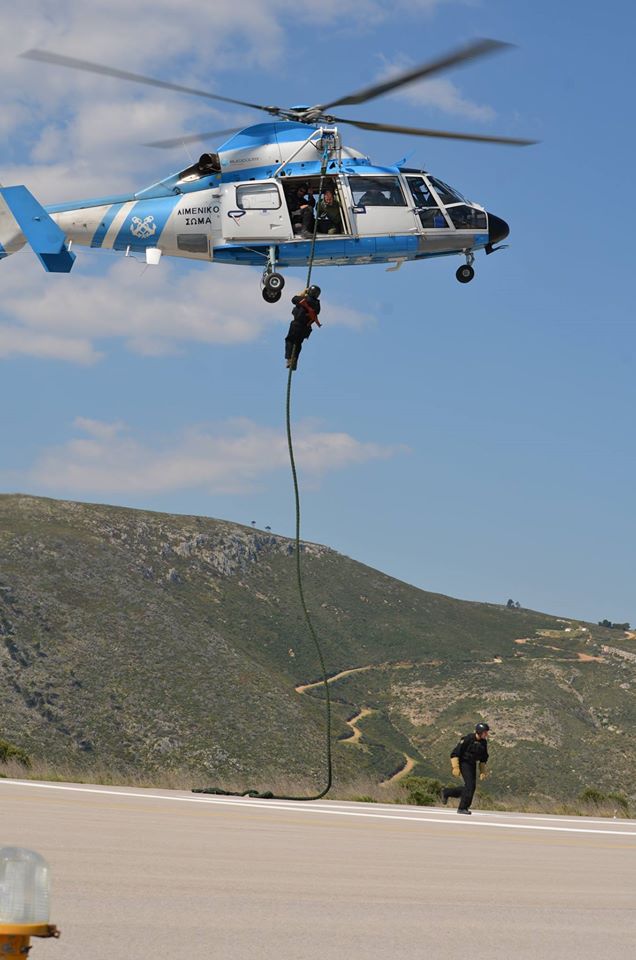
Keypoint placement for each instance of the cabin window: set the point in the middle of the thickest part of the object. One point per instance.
(376, 192)
(258, 196)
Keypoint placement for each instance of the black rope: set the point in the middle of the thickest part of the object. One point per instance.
(267, 794)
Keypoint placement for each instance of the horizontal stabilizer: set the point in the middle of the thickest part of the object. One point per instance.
(44, 236)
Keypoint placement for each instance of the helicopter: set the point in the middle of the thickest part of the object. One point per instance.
(252, 201)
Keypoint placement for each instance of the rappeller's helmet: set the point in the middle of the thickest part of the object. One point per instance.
(313, 291)
(481, 727)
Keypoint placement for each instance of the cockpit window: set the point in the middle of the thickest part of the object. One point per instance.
(467, 218)
(431, 217)
(446, 193)
(421, 194)
(376, 192)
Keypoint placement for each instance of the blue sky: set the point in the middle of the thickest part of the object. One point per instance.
(473, 440)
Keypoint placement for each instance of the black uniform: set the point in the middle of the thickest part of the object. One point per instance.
(301, 209)
(305, 312)
(469, 751)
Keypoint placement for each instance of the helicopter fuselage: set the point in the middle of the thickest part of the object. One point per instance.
(236, 206)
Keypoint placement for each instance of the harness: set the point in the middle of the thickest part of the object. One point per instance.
(311, 313)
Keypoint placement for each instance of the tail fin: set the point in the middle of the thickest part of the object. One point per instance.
(24, 220)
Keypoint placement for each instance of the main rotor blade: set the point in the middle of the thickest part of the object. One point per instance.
(479, 48)
(44, 56)
(192, 138)
(443, 134)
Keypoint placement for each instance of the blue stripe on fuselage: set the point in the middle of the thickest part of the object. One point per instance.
(104, 227)
(144, 224)
(347, 249)
(3, 252)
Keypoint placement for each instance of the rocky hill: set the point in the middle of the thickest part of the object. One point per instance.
(145, 640)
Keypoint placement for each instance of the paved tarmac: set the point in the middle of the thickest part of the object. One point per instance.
(158, 874)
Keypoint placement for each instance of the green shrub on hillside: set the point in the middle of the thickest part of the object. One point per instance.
(487, 802)
(598, 799)
(9, 752)
(422, 791)
(620, 800)
(592, 795)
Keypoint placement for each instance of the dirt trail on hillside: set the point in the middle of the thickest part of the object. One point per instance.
(409, 763)
(357, 733)
(338, 676)
(399, 665)
(363, 712)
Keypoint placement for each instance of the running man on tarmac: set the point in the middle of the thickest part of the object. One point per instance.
(470, 751)
(304, 314)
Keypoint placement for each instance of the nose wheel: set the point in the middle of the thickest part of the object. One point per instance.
(466, 273)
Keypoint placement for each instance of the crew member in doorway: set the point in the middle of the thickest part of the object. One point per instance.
(470, 751)
(329, 220)
(301, 208)
(304, 315)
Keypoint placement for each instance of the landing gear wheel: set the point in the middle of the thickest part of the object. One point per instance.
(465, 273)
(274, 282)
(271, 296)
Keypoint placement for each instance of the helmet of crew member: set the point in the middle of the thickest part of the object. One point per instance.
(481, 727)
(313, 291)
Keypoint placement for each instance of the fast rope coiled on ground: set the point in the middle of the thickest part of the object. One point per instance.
(267, 794)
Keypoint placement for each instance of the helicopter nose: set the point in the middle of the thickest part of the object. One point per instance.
(498, 229)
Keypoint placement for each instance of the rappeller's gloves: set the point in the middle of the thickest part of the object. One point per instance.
(455, 767)
(484, 772)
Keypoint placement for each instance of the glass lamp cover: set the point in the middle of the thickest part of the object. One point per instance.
(24, 886)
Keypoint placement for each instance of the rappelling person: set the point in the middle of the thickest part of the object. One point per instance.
(470, 751)
(304, 315)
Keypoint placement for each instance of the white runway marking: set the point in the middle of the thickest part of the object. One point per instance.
(443, 819)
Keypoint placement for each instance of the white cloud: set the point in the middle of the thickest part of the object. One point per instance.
(439, 93)
(358, 14)
(21, 341)
(67, 118)
(155, 310)
(99, 429)
(229, 457)
(446, 96)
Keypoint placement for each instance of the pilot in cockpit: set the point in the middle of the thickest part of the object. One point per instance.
(373, 198)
